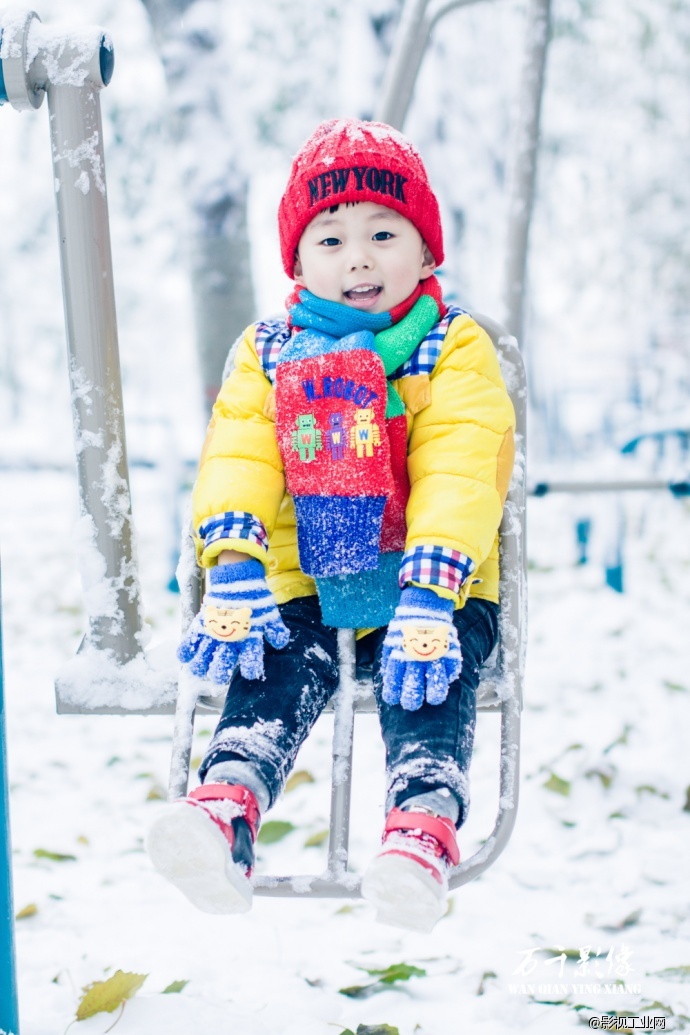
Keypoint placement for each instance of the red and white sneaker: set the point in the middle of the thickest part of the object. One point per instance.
(407, 882)
(204, 845)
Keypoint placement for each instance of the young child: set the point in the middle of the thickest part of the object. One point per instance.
(353, 475)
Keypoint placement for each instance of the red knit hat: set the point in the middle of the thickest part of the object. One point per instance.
(349, 160)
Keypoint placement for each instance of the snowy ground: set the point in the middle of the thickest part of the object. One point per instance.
(598, 859)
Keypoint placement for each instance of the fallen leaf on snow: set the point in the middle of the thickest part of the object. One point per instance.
(58, 857)
(297, 779)
(274, 830)
(106, 996)
(27, 911)
(175, 986)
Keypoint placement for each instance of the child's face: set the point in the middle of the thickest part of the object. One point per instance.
(364, 255)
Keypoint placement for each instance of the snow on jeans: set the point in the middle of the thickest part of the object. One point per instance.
(266, 721)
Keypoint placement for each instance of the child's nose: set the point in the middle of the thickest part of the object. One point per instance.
(361, 263)
(360, 258)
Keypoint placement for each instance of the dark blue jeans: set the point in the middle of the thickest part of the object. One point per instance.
(266, 721)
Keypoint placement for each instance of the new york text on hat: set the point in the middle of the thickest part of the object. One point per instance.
(370, 178)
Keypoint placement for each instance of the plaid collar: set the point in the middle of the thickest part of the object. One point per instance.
(272, 335)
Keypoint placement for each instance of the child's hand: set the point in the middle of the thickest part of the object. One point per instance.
(237, 612)
(421, 652)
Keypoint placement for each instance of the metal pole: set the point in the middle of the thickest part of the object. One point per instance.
(183, 736)
(94, 363)
(508, 799)
(524, 173)
(416, 24)
(678, 489)
(507, 688)
(3, 90)
(403, 67)
(72, 68)
(9, 1012)
(343, 729)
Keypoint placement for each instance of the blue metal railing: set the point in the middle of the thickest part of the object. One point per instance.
(9, 1015)
(107, 60)
(3, 92)
(646, 484)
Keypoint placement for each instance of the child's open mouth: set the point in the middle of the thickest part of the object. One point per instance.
(363, 293)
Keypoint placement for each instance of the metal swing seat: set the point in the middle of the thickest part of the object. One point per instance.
(500, 692)
(111, 673)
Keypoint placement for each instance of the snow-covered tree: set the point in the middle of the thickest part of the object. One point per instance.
(207, 143)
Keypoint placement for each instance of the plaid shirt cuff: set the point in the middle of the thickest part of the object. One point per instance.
(435, 566)
(234, 524)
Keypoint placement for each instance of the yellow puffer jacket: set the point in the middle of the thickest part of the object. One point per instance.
(460, 423)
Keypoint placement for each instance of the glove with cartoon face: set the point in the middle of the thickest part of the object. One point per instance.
(421, 652)
(238, 611)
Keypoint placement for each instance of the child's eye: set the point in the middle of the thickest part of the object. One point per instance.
(382, 235)
(330, 242)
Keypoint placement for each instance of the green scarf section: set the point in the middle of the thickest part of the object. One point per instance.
(396, 344)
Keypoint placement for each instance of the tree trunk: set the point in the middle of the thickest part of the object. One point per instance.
(190, 41)
(524, 173)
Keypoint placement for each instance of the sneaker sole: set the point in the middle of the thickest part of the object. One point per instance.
(187, 848)
(403, 893)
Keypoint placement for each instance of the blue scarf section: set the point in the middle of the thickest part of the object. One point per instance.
(333, 318)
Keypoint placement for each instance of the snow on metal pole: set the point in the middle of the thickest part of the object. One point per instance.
(71, 68)
(524, 172)
(9, 1013)
(343, 729)
(508, 680)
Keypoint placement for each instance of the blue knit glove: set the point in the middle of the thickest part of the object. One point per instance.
(421, 652)
(237, 612)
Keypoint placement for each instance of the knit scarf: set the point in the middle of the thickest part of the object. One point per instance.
(342, 435)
